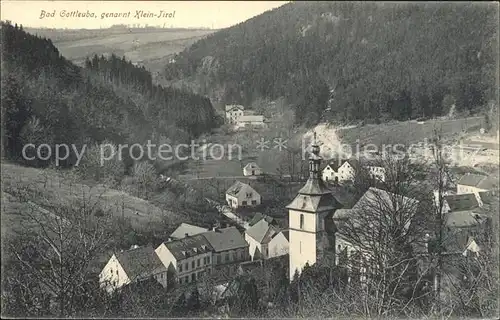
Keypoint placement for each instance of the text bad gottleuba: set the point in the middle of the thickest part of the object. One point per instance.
(138, 14)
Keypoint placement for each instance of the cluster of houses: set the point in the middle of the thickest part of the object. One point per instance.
(316, 228)
(345, 170)
(192, 252)
(240, 118)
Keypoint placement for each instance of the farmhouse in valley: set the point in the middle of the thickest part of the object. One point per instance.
(252, 169)
(130, 266)
(241, 195)
(233, 112)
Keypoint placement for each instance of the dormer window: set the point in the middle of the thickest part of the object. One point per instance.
(195, 250)
(183, 253)
(203, 247)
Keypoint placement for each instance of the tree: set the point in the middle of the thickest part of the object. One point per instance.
(52, 259)
(382, 231)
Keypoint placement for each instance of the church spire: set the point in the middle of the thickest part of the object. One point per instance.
(314, 160)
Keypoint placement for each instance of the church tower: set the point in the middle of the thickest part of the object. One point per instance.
(310, 218)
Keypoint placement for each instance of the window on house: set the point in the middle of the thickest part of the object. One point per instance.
(218, 259)
(116, 271)
(186, 266)
(254, 202)
(193, 277)
(208, 260)
(111, 270)
(244, 203)
(242, 255)
(226, 258)
(161, 275)
(180, 267)
(192, 264)
(301, 221)
(198, 263)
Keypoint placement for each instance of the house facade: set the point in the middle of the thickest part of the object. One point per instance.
(347, 170)
(233, 113)
(376, 172)
(242, 195)
(279, 244)
(330, 173)
(258, 237)
(134, 265)
(229, 249)
(186, 259)
(252, 169)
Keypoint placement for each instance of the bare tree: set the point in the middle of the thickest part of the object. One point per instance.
(54, 256)
(380, 234)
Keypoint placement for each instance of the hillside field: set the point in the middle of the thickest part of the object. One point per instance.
(48, 187)
(149, 47)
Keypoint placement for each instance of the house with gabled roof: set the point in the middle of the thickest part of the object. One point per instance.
(258, 237)
(252, 169)
(130, 266)
(229, 249)
(233, 113)
(186, 259)
(347, 170)
(186, 229)
(192, 257)
(330, 172)
(475, 183)
(241, 195)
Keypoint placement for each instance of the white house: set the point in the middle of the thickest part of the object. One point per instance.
(241, 194)
(252, 169)
(278, 246)
(136, 264)
(260, 235)
(475, 183)
(330, 172)
(186, 259)
(233, 112)
(460, 202)
(246, 121)
(347, 170)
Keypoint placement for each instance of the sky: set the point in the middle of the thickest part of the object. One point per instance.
(177, 14)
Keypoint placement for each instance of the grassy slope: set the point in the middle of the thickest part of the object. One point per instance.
(47, 188)
(151, 47)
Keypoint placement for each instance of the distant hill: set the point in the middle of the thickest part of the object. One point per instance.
(346, 61)
(150, 47)
(47, 99)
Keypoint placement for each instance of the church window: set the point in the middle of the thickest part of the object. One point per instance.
(301, 221)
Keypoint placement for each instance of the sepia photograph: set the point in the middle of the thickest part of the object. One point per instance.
(250, 159)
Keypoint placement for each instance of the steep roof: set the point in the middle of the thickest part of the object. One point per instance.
(478, 181)
(239, 187)
(333, 165)
(251, 165)
(225, 239)
(460, 202)
(374, 196)
(230, 107)
(140, 262)
(189, 246)
(304, 202)
(286, 233)
(190, 229)
(259, 216)
(354, 163)
(464, 219)
(262, 231)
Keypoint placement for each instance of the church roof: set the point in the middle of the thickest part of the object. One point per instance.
(314, 203)
(314, 186)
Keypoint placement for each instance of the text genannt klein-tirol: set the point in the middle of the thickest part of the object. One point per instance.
(137, 14)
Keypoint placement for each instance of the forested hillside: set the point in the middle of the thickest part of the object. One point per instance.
(47, 99)
(349, 61)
